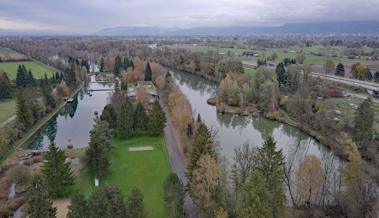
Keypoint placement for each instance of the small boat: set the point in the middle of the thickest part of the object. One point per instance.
(90, 94)
(70, 100)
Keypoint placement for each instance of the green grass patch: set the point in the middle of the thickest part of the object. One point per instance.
(249, 71)
(37, 69)
(145, 169)
(6, 51)
(8, 109)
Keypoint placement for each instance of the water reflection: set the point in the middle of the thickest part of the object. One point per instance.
(73, 122)
(234, 130)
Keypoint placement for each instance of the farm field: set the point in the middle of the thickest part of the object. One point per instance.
(145, 169)
(37, 69)
(7, 109)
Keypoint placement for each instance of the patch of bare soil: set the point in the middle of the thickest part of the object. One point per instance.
(146, 148)
(62, 207)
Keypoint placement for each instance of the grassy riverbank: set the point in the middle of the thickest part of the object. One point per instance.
(145, 169)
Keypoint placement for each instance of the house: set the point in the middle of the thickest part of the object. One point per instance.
(247, 54)
(150, 89)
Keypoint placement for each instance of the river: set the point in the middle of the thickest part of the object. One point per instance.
(73, 122)
(234, 130)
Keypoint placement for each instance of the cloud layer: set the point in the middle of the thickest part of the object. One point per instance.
(87, 16)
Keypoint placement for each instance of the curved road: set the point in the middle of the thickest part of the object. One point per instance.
(176, 160)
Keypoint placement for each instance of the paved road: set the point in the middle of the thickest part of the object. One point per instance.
(8, 121)
(176, 160)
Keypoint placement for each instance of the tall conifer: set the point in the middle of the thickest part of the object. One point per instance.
(157, 118)
(125, 119)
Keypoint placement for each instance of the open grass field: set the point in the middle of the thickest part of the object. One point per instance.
(249, 71)
(5, 51)
(8, 109)
(145, 169)
(37, 69)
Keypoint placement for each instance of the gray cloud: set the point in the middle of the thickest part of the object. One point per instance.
(86, 16)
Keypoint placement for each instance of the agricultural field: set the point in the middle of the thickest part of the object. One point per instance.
(6, 54)
(145, 169)
(37, 69)
(7, 109)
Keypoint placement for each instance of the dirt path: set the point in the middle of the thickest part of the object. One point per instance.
(62, 208)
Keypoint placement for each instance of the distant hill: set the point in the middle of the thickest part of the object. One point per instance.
(342, 27)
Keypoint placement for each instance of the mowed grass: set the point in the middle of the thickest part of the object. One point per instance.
(249, 71)
(145, 169)
(5, 51)
(37, 69)
(7, 109)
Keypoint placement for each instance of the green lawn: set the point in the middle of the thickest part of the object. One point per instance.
(7, 109)
(249, 71)
(145, 169)
(5, 50)
(37, 69)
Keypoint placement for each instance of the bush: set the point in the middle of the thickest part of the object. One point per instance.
(283, 102)
(4, 212)
(273, 115)
(15, 203)
(20, 175)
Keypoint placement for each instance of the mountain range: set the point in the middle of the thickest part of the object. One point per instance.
(340, 27)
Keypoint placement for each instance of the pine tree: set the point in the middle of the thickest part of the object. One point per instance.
(78, 207)
(376, 77)
(202, 144)
(340, 70)
(140, 119)
(174, 194)
(6, 87)
(23, 112)
(109, 114)
(102, 65)
(58, 175)
(368, 74)
(21, 76)
(98, 204)
(126, 63)
(116, 206)
(199, 118)
(270, 164)
(131, 64)
(134, 205)
(47, 90)
(30, 79)
(157, 118)
(125, 119)
(363, 122)
(148, 72)
(117, 66)
(40, 205)
(281, 74)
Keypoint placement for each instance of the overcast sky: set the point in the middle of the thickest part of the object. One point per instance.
(88, 16)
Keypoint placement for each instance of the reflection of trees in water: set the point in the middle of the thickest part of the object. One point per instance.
(74, 106)
(196, 83)
(51, 131)
(240, 122)
(264, 126)
(298, 148)
(224, 119)
(291, 131)
(81, 94)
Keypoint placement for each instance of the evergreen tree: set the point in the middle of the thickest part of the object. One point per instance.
(23, 112)
(78, 207)
(157, 118)
(40, 205)
(6, 87)
(47, 90)
(109, 114)
(97, 157)
(117, 66)
(254, 198)
(202, 144)
(368, 74)
(340, 70)
(126, 63)
(116, 86)
(102, 65)
(376, 76)
(199, 118)
(57, 76)
(270, 164)
(148, 72)
(363, 122)
(131, 64)
(167, 81)
(124, 85)
(21, 76)
(125, 119)
(174, 194)
(116, 207)
(58, 175)
(281, 74)
(30, 79)
(134, 205)
(70, 78)
(140, 119)
(98, 204)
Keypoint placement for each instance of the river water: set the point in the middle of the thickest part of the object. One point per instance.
(73, 122)
(234, 130)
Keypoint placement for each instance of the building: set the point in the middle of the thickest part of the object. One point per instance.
(247, 54)
(150, 89)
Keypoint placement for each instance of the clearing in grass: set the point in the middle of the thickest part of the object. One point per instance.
(145, 169)
(37, 69)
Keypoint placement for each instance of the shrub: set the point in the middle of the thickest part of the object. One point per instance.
(283, 102)
(15, 203)
(4, 212)
(20, 175)
(273, 115)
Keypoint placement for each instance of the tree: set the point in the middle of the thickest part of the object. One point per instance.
(109, 114)
(21, 76)
(244, 165)
(64, 88)
(329, 67)
(270, 163)
(202, 144)
(157, 118)
(78, 207)
(40, 205)
(363, 122)
(340, 71)
(125, 119)
(358, 71)
(70, 77)
(274, 56)
(376, 77)
(174, 194)
(204, 183)
(254, 198)
(97, 157)
(126, 63)
(47, 90)
(300, 58)
(6, 87)
(134, 205)
(98, 204)
(140, 118)
(368, 74)
(117, 66)
(58, 175)
(23, 112)
(265, 85)
(281, 74)
(29, 80)
(148, 72)
(102, 65)
(20, 175)
(115, 200)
